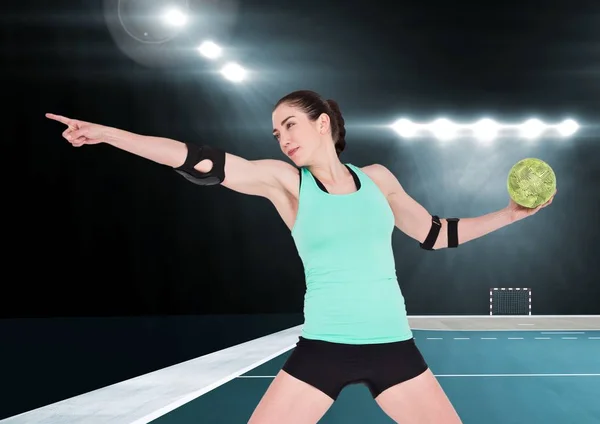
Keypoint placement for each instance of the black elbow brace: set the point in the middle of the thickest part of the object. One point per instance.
(452, 231)
(434, 232)
(195, 155)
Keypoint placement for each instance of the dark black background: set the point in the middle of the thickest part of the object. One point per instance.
(97, 232)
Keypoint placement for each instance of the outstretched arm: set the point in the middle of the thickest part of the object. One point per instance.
(415, 221)
(259, 178)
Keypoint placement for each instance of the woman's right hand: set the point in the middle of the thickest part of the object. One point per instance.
(79, 133)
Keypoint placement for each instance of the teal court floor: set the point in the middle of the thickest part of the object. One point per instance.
(492, 377)
(495, 370)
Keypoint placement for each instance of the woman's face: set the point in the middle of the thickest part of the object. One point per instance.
(297, 135)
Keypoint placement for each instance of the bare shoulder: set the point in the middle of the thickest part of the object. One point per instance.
(382, 176)
(376, 170)
(378, 173)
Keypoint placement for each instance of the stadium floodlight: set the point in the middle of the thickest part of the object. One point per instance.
(174, 17)
(568, 127)
(234, 72)
(210, 50)
(443, 129)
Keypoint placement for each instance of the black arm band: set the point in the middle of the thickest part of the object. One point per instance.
(195, 155)
(452, 231)
(434, 231)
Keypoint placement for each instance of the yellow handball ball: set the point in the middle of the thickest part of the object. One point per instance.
(531, 182)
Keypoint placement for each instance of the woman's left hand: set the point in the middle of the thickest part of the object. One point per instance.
(519, 212)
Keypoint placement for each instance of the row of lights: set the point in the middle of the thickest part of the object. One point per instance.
(210, 50)
(443, 129)
(484, 130)
(232, 71)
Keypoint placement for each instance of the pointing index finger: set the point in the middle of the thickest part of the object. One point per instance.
(59, 118)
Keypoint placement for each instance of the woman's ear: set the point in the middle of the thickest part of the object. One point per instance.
(324, 123)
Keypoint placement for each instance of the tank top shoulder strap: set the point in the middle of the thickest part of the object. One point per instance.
(308, 182)
(365, 180)
(359, 176)
(305, 184)
(306, 178)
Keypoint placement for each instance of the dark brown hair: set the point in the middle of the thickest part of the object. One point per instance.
(313, 105)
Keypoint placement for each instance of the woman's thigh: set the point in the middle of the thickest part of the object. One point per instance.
(291, 401)
(420, 400)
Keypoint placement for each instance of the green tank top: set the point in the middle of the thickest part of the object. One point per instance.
(345, 244)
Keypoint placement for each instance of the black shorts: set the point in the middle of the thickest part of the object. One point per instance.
(330, 367)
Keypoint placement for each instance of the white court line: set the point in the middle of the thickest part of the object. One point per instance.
(563, 332)
(511, 338)
(525, 324)
(497, 330)
(470, 375)
(500, 317)
(517, 375)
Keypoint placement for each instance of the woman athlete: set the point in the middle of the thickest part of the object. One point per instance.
(341, 218)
